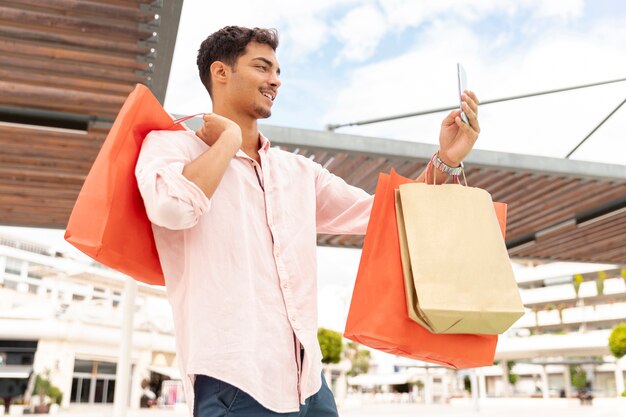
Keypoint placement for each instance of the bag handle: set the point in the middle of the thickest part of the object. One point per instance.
(185, 118)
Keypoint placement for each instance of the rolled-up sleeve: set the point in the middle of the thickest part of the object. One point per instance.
(341, 208)
(171, 200)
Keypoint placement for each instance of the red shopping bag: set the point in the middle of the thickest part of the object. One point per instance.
(109, 221)
(378, 315)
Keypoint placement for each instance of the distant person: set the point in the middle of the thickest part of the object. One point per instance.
(235, 223)
(148, 397)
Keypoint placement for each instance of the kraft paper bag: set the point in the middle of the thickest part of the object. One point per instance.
(458, 276)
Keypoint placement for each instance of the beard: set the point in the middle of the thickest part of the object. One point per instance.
(262, 113)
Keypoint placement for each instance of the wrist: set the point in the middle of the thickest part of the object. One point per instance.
(447, 160)
(444, 167)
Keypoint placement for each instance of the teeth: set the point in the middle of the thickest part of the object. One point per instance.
(268, 96)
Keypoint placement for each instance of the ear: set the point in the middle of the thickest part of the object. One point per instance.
(219, 72)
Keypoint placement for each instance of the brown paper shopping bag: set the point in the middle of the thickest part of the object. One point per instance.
(458, 276)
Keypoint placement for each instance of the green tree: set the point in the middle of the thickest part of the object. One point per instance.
(578, 376)
(617, 340)
(600, 282)
(360, 359)
(513, 378)
(44, 387)
(331, 345)
(561, 307)
(578, 279)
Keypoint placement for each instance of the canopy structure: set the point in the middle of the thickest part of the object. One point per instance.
(559, 209)
(67, 65)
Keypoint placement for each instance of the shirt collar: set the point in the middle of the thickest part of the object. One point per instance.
(265, 143)
(265, 146)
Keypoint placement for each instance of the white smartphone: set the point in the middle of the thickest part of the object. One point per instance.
(462, 77)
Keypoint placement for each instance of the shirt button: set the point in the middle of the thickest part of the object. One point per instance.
(285, 285)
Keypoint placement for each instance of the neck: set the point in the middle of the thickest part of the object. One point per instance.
(249, 128)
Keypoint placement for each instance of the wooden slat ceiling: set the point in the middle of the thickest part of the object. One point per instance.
(69, 63)
(542, 208)
(74, 56)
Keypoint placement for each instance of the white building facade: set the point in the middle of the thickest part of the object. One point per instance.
(69, 311)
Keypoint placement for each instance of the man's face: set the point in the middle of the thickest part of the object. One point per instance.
(254, 83)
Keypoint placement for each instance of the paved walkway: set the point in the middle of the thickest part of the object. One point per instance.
(524, 407)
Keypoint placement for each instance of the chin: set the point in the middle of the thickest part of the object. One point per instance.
(262, 112)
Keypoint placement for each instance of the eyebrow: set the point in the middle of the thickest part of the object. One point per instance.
(268, 62)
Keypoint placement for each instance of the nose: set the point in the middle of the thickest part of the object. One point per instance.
(275, 81)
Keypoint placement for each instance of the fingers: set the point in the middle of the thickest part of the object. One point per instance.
(471, 99)
(470, 107)
(468, 130)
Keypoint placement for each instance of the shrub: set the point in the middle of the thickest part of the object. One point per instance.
(331, 345)
(617, 340)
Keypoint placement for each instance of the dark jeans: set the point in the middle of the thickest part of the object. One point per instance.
(215, 398)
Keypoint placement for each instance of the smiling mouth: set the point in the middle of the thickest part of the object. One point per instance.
(269, 96)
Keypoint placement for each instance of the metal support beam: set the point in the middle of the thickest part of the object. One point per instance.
(389, 148)
(169, 18)
(333, 127)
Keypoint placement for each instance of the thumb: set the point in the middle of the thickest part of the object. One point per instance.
(449, 120)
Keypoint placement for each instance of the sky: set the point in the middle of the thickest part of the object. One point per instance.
(347, 60)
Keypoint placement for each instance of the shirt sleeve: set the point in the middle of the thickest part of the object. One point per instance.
(340, 208)
(171, 200)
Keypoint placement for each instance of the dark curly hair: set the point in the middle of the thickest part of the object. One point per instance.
(228, 44)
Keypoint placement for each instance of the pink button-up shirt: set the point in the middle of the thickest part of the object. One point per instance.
(240, 268)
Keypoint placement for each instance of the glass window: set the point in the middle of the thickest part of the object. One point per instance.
(111, 391)
(83, 366)
(14, 266)
(84, 390)
(108, 368)
(75, 382)
(99, 394)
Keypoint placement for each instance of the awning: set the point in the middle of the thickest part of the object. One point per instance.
(382, 379)
(15, 371)
(168, 371)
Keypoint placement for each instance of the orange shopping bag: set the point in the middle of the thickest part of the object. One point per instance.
(109, 221)
(378, 315)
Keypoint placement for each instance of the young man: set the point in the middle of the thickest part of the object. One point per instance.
(235, 224)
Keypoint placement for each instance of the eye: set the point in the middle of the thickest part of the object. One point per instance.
(262, 67)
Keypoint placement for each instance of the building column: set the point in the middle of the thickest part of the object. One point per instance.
(567, 381)
(428, 388)
(122, 375)
(544, 382)
(140, 371)
(445, 392)
(482, 383)
(506, 386)
(474, 388)
(619, 376)
(591, 374)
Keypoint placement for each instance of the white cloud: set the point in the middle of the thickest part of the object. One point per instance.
(303, 27)
(361, 30)
(424, 78)
(565, 9)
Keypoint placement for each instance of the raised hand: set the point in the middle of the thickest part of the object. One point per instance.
(456, 138)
